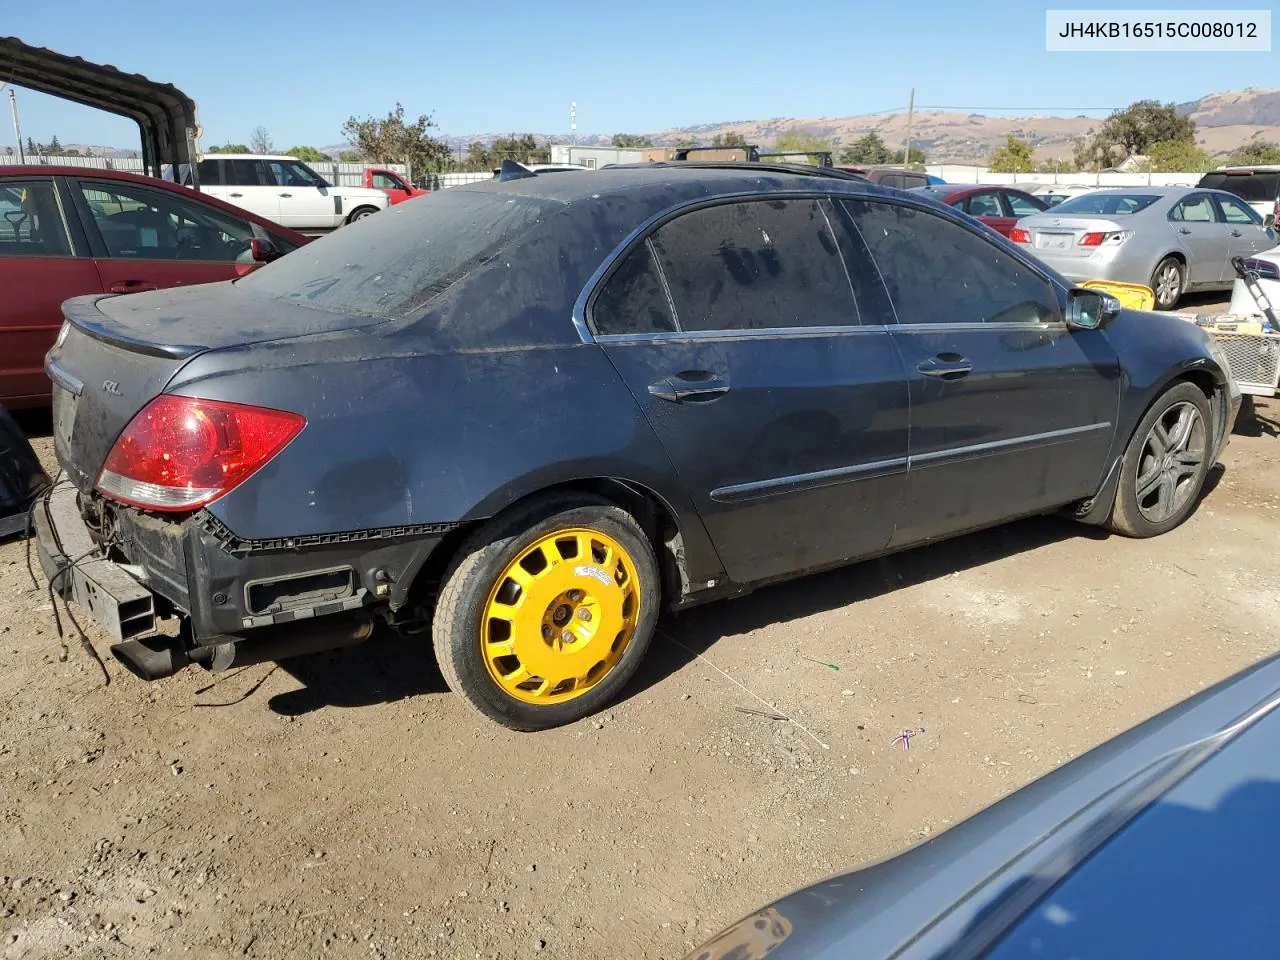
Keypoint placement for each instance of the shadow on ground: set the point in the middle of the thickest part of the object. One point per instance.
(389, 668)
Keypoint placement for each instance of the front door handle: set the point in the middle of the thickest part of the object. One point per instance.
(235, 194)
(695, 386)
(131, 286)
(286, 194)
(1185, 231)
(1236, 233)
(945, 366)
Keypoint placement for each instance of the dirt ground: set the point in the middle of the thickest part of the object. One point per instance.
(345, 806)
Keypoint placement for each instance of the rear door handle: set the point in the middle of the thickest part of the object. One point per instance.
(286, 194)
(945, 366)
(1236, 233)
(695, 386)
(235, 194)
(1184, 230)
(131, 286)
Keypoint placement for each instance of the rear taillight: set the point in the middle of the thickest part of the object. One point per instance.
(1093, 239)
(1018, 235)
(179, 453)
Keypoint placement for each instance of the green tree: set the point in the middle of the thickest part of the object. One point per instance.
(33, 148)
(1141, 124)
(391, 139)
(1057, 165)
(350, 156)
(260, 141)
(1013, 157)
(730, 138)
(630, 140)
(308, 154)
(1178, 156)
(797, 140)
(868, 149)
(478, 157)
(523, 149)
(228, 148)
(900, 156)
(1252, 154)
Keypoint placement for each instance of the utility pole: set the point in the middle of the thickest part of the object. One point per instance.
(911, 108)
(573, 126)
(17, 127)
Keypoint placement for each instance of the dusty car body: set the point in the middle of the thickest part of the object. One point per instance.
(530, 414)
(1160, 842)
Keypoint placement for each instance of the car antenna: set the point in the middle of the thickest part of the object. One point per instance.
(510, 170)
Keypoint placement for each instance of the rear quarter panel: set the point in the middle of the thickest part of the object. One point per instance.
(401, 440)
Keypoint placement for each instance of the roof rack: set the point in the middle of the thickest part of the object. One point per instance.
(803, 169)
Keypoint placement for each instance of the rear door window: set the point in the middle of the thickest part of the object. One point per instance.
(1021, 205)
(937, 271)
(983, 205)
(31, 222)
(756, 265)
(1197, 208)
(246, 173)
(210, 173)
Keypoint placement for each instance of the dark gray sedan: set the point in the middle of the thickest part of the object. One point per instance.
(527, 415)
(1163, 842)
(1172, 239)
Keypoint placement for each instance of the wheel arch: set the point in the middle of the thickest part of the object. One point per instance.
(659, 520)
(1097, 508)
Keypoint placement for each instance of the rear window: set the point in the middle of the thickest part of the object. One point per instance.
(1110, 204)
(1249, 187)
(392, 264)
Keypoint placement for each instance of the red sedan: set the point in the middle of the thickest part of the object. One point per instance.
(65, 231)
(998, 207)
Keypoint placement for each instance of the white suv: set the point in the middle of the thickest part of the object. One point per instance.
(285, 190)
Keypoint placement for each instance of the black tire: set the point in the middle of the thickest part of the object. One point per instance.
(359, 213)
(1167, 292)
(477, 570)
(1177, 481)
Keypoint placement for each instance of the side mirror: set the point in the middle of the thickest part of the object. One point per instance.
(1269, 220)
(264, 250)
(1089, 309)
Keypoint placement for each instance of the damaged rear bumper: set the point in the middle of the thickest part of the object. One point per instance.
(237, 602)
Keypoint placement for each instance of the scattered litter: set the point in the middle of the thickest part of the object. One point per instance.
(904, 738)
(823, 663)
(767, 714)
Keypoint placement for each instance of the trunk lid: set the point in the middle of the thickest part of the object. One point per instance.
(1060, 236)
(116, 353)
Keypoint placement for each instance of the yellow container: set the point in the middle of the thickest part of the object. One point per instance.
(1135, 296)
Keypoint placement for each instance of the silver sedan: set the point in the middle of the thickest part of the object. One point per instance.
(1173, 239)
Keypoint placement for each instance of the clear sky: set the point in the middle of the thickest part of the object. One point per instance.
(300, 69)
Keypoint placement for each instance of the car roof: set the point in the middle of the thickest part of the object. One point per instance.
(247, 156)
(695, 177)
(17, 171)
(1251, 168)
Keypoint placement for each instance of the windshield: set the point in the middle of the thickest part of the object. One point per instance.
(392, 264)
(1110, 204)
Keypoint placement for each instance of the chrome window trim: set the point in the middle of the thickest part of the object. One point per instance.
(654, 221)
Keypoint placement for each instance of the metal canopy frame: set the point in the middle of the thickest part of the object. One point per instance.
(166, 117)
